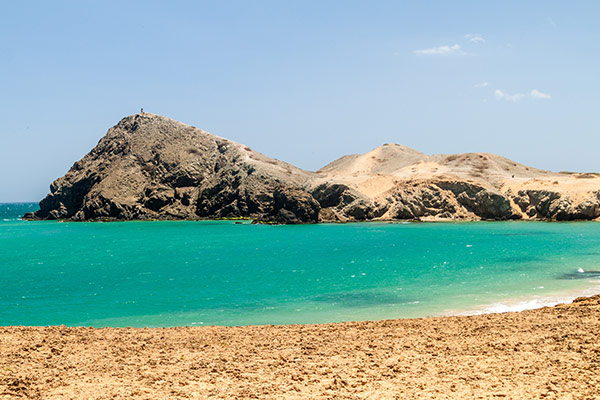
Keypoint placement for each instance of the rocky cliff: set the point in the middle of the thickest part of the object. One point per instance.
(152, 167)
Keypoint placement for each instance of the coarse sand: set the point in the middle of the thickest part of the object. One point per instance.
(551, 353)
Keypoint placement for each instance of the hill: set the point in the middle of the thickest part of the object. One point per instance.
(152, 167)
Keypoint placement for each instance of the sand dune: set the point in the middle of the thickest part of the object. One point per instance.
(384, 177)
(375, 172)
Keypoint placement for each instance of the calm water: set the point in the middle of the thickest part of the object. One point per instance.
(206, 273)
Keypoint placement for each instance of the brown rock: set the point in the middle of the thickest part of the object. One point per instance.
(152, 167)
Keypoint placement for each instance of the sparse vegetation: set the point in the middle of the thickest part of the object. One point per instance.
(588, 175)
(233, 219)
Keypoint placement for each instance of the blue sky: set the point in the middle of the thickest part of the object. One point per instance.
(301, 81)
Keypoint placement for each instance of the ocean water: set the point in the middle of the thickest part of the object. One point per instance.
(225, 273)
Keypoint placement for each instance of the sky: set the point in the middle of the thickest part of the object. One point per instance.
(301, 81)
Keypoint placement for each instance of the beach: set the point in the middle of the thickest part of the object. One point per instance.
(299, 201)
(551, 352)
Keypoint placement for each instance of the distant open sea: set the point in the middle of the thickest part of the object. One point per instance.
(221, 273)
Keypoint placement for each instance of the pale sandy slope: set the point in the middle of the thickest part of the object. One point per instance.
(381, 169)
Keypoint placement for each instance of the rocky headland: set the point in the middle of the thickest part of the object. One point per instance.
(152, 167)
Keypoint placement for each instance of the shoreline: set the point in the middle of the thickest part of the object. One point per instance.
(254, 221)
(532, 302)
(514, 305)
(550, 352)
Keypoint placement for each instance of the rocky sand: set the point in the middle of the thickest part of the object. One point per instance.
(545, 353)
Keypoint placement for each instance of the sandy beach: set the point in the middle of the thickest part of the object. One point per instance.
(544, 353)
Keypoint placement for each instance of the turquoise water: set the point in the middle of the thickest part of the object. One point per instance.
(206, 273)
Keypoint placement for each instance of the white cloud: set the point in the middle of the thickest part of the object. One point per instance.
(442, 51)
(482, 84)
(510, 97)
(533, 94)
(475, 38)
(536, 94)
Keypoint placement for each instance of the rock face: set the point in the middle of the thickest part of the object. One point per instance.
(553, 205)
(446, 199)
(152, 167)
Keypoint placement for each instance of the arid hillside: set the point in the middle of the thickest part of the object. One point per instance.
(152, 167)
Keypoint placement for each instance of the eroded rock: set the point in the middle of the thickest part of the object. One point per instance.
(152, 167)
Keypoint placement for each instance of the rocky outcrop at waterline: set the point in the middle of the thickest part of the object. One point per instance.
(557, 206)
(152, 167)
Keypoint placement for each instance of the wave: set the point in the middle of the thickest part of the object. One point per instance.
(531, 302)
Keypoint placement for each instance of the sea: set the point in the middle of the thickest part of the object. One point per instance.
(190, 273)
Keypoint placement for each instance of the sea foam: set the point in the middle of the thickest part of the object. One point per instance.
(531, 303)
